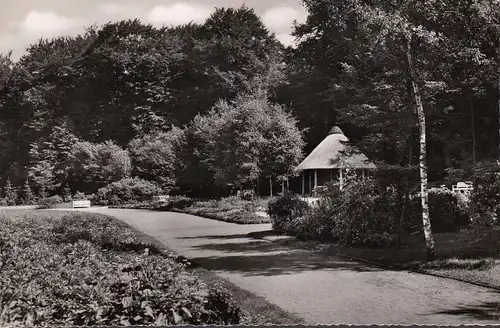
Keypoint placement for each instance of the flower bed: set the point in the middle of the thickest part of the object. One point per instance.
(228, 209)
(239, 216)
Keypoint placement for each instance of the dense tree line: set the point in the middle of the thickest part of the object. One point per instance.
(127, 99)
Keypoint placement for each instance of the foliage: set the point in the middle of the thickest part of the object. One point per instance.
(227, 210)
(484, 198)
(28, 196)
(66, 193)
(79, 196)
(362, 213)
(154, 156)
(50, 159)
(178, 202)
(284, 209)
(49, 202)
(247, 138)
(96, 165)
(447, 214)
(127, 190)
(231, 202)
(91, 287)
(10, 194)
(234, 215)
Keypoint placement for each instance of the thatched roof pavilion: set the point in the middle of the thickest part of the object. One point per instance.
(327, 161)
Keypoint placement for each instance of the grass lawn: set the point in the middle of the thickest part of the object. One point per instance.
(89, 269)
(462, 255)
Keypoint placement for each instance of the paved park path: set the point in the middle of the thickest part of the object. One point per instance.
(319, 289)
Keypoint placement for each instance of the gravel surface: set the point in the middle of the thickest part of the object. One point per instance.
(320, 289)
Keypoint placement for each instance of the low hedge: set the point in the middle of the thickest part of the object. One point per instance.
(49, 202)
(239, 216)
(219, 211)
(126, 191)
(87, 269)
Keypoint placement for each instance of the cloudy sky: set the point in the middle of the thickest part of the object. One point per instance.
(25, 21)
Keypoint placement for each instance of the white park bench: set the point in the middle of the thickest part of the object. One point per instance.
(462, 187)
(81, 204)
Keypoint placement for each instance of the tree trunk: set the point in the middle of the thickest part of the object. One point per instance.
(473, 127)
(271, 187)
(498, 111)
(429, 239)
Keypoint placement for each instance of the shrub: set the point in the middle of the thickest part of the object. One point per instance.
(127, 190)
(91, 287)
(178, 202)
(221, 303)
(447, 214)
(79, 196)
(97, 165)
(362, 212)
(10, 193)
(284, 209)
(319, 222)
(238, 216)
(49, 202)
(231, 202)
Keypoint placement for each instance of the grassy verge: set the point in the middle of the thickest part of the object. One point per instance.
(462, 255)
(67, 268)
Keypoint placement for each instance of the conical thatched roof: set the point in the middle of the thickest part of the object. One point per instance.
(329, 154)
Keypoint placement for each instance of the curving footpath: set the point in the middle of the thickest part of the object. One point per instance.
(319, 289)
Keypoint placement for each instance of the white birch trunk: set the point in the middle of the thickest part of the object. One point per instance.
(424, 196)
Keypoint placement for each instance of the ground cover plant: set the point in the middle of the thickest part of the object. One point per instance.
(61, 269)
(230, 209)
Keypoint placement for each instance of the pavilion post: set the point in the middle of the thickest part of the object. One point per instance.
(315, 178)
(303, 182)
(310, 184)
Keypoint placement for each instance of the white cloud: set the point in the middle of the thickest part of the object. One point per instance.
(179, 13)
(286, 38)
(46, 22)
(281, 19)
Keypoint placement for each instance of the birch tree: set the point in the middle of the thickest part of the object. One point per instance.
(381, 53)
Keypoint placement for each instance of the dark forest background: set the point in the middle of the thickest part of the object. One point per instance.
(129, 100)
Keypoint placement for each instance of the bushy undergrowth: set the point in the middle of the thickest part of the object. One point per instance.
(176, 202)
(366, 213)
(284, 210)
(231, 209)
(126, 191)
(239, 216)
(49, 202)
(448, 211)
(81, 270)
